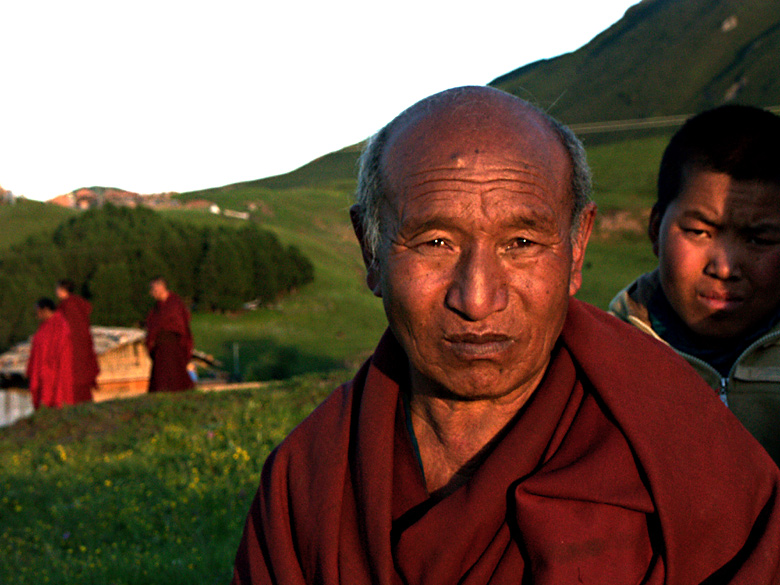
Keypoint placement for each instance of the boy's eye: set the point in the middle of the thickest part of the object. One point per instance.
(695, 232)
(760, 241)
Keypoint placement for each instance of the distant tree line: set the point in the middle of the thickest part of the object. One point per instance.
(112, 253)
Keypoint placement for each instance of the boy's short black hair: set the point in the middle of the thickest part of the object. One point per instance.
(741, 141)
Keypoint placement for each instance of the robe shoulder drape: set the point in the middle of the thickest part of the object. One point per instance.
(50, 365)
(169, 341)
(623, 467)
(77, 311)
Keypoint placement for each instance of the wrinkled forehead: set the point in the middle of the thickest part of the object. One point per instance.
(486, 131)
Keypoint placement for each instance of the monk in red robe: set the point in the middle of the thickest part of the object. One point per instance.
(50, 366)
(76, 311)
(169, 340)
(504, 432)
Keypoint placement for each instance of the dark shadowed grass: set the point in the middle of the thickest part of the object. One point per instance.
(612, 263)
(139, 491)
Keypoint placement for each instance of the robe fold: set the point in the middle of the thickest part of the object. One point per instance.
(76, 311)
(622, 467)
(50, 365)
(170, 343)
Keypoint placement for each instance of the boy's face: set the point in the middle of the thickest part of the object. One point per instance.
(718, 247)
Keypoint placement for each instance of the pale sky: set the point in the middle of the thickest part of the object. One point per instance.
(165, 95)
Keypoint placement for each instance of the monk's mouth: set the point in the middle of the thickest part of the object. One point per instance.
(471, 345)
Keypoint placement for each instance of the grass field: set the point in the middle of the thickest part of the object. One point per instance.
(147, 490)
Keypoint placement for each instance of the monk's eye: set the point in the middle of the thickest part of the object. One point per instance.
(519, 244)
(432, 246)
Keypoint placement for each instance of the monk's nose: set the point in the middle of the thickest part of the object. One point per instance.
(479, 286)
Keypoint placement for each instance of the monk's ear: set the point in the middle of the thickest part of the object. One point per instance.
(579, 244)
(654, 227)
(373, 279)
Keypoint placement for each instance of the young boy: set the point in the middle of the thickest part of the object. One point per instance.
(715, 296)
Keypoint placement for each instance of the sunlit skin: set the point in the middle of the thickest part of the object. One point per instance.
(718, 245)
(476, 270)
(158, 290)
(43, 314)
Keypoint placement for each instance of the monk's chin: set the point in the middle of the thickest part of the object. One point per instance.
(471, 382)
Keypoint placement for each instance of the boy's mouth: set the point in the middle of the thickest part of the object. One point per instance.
(720, 300)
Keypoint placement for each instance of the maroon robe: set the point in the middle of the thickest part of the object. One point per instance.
(623, 467)
(50, 366)
(169, 341)
(76, 311)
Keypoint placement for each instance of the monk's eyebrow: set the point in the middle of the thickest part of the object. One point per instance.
(532, 221)
(527, 221)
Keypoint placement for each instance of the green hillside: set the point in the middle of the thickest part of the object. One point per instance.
(663, 57)
(27, 218)
(336, 320)
(331, 322)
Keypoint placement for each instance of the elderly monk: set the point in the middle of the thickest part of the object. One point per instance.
(76, 311)
(168, 339)
(503, 432)
(50, 365)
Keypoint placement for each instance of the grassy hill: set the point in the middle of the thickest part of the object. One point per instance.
(26, 218)
(663, 57)
(335, 321)
(330, 323)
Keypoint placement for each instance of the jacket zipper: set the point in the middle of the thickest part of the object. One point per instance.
(724, 381)
(722, 393)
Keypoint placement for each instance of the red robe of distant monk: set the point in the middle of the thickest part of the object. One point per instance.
(76, 311)
(617, 471)
(169, 341)
(50, 367)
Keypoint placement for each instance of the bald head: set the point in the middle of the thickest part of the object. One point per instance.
(480, 117)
